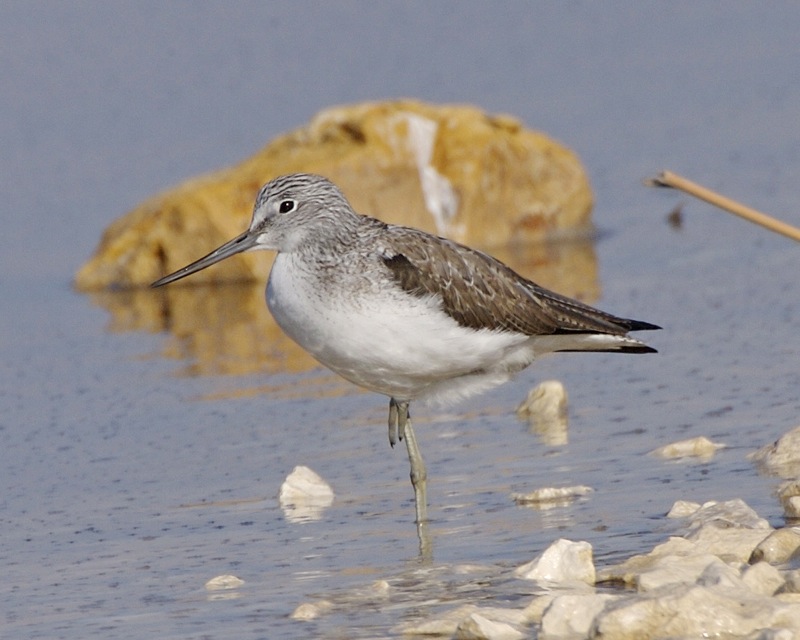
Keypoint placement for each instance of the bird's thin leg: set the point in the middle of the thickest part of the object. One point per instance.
(419, 474)
(419, 480)
(400, 428)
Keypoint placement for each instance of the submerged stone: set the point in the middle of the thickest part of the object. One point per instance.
(545, 411)
(551, 496)
(219, 583)
(700, 447)
(311, 610)
(304, 495)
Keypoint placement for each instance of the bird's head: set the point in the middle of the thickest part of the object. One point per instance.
(289, 212)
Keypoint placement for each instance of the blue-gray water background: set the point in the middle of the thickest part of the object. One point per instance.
(102, 446)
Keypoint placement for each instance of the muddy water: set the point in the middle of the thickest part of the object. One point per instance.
(144, 435)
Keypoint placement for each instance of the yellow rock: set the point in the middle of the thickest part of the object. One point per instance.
(452, 170)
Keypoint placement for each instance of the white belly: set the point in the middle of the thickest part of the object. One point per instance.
(391, 342)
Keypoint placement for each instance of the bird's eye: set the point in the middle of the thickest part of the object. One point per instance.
(286, 206)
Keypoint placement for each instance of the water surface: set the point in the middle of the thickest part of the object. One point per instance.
(141, 454)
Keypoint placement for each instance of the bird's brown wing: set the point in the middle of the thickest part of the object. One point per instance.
(481, 292)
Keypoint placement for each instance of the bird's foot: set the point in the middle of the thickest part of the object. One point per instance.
(392, 423)
(398, 419)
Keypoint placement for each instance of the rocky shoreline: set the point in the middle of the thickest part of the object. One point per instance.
(729, 574)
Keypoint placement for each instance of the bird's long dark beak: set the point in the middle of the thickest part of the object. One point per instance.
(240, 243)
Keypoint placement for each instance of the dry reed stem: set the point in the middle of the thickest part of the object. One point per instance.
(669, 179)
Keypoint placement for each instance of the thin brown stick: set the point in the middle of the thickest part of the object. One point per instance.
(669, 179)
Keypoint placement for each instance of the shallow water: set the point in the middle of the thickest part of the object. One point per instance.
(144, 435)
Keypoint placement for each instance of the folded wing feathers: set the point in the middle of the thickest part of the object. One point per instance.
(480, 292)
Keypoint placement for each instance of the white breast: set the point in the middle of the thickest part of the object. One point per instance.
(388, 341)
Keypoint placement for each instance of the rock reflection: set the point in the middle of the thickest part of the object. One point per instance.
(215, 329)
(227, 329)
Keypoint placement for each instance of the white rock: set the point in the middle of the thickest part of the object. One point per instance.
(791, 507)
(380, 588)
(726, 515)
(303, 483)
(719, 574)
(551, 496)
(782, 457)
(477, 627)
(778, 547)
(675, 569)
(443, 625)
(535, 610)
(304, 495)
(791, 582)
(571, 616)
(562, 561)
(679, 559)
(683, 509)
(700, 447)
(626, 572)
(762, 578)
(789, 489)
(547, 398)
(545, 410)
(789, 494)
(698, 611)
(223, 582)
(702, 586)
(311, 610)
(731, 545)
